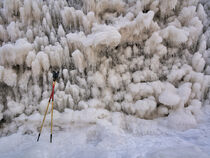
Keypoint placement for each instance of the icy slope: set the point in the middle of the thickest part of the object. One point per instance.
(119, 60)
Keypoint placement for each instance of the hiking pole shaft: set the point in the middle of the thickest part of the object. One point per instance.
(51, 123)
(52, 112)
(43, 120)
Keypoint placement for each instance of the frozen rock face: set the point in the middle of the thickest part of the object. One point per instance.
(144, 58)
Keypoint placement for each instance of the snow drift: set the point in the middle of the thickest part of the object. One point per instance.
(119, 60)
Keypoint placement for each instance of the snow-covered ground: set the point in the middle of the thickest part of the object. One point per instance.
(98, 141)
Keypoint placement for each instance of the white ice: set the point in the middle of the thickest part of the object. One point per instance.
(101, 140)
(134, 78)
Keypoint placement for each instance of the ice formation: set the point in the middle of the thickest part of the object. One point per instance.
(144, 59)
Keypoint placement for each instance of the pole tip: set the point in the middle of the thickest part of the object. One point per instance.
(38, 137)
(50, 138)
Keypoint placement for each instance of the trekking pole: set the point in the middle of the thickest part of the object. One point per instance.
(55, 76)
(43, 119)
(52, 111)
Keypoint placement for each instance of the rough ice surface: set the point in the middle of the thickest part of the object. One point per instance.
(104, 140)
(124, 64)
(169, 98)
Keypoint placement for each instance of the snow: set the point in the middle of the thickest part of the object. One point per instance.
(145, 106)
(78, 59)
(10, 77)
(30, 58)
(133, 82)
(184, 91)
(15, 54)
(114, 79)
(105, 140)
(174, 35)
(99, 80)
(36, 68)
(198, 62)
(158, 48)
(115, 55)
(15, 108)
(43, 105)
(169, 98)
(44, 61)
(13, 30)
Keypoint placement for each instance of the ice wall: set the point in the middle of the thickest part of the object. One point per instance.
(140, 59)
